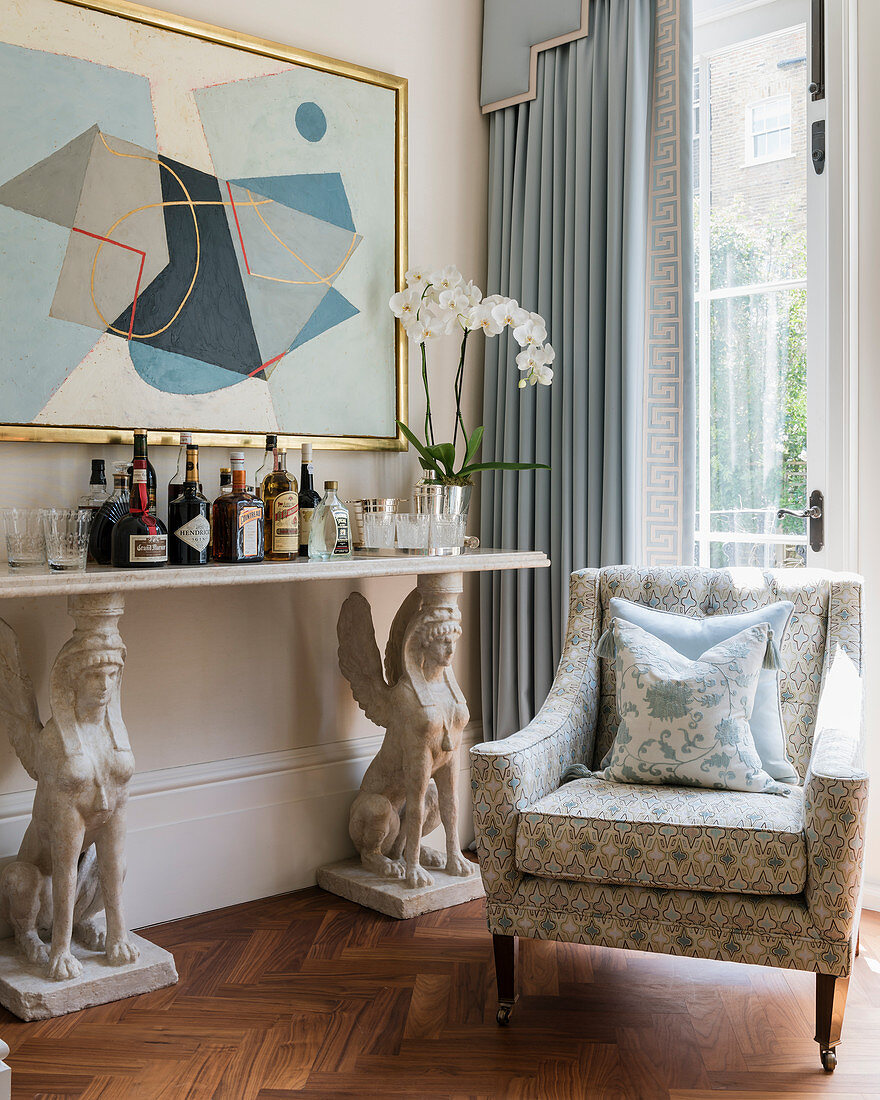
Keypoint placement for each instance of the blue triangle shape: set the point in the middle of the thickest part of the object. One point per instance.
(321, 194)
(332, 310)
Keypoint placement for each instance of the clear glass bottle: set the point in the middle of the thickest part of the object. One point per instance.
(108, 515)
(97, 495)
(330, 532)
(237, 520)
(309, 499)
(188, 520)
(281, 500)
(269, 463)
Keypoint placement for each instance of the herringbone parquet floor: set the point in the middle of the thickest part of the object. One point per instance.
(307, 995)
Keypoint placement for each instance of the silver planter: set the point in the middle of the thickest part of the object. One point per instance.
(435, 499)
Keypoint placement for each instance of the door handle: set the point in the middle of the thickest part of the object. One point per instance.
(815, 513)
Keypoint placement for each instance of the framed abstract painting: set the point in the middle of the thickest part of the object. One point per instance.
(198, 230)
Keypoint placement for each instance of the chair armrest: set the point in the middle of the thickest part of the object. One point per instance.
(835, 800)
(509, 775)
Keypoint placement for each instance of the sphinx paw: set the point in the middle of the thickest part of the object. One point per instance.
(63, 966)
(456, 864)
(416, 878)
(122, 952)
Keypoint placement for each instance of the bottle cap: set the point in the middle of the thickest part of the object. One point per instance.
(334, 485)
(185, 438)
(225, 469)
(236, 458)
(140, 431)
(271, 442)
(307, 452)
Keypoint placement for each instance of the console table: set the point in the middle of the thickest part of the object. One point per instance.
(96, 603)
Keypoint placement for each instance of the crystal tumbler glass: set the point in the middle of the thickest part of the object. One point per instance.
(25, 544)
(379, 528)
(413, 531)
(67, 538)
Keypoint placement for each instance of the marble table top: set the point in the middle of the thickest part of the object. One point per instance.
(387, 564)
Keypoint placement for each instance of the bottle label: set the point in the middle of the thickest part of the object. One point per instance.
(343, 539)
(148, 548)
(138, 477)
(249, 531)
(285, 523)
(305, 525)
(196, 533)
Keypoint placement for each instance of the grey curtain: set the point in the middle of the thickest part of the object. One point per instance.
(590, 224)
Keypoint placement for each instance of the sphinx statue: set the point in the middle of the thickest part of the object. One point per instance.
(410, 786)
(71, 865)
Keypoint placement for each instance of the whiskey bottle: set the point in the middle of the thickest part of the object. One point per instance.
(97, 495)
(330, 532)
(140, 451)
(237, 520)
(269, 460)
(108, 515)
(309, 499)
(281, 502)
(225, 480)
(188, 520)
(175, 485)
(139, 539)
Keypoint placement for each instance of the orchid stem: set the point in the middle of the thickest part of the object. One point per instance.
(459, 381)
(429, 424)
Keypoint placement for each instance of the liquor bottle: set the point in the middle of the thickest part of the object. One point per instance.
(140, 451)
(97, 495)
(225, 480)
(188, 517)
(330, 532)
(309, 499)
(108, 515)
(175, 485)
(237, 520)
(139, 539)
(281, 501)
(268, 463)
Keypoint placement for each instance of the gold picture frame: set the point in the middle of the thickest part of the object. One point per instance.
(165, 21)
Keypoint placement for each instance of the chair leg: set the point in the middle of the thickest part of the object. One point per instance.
(506, 949)
(830, 1004)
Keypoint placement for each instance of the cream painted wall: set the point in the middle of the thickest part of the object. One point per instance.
(869, 403)
(233, 673)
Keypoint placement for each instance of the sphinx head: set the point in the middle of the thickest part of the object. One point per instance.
(439, 633)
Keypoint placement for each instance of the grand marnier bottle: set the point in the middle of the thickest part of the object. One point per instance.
(139, 539)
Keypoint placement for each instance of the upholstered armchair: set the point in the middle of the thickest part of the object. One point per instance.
(752, 878)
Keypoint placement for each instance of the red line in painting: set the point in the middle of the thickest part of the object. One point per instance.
(243, 252)
(128, 248)
(268, 363)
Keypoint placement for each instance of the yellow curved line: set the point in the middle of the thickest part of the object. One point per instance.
(189, 202)
(326, 279)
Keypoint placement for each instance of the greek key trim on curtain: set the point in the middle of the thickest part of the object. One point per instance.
(669, 439)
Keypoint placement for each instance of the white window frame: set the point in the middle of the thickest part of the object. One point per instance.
(751, 158)
(833, 308)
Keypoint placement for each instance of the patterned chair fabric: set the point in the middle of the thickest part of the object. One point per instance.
(811, 929)
(672, 837)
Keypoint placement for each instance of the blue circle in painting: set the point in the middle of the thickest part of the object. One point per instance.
(311, 121)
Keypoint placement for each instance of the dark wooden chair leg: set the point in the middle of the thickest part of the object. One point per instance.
(506, 949)
(830, 1005)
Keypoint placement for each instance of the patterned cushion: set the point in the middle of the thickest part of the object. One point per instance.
(667, 837)
(686, 723)
(691, 635)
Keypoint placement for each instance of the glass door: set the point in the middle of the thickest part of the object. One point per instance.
(759, 239)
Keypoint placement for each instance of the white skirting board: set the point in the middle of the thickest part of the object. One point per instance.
(871, 896)
(227, 831)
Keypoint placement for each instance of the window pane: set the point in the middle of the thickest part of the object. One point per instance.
(758, 214)
(757, 435)
(757, 554)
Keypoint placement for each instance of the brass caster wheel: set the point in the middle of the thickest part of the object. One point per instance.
(503, 1015)
(829, 1060)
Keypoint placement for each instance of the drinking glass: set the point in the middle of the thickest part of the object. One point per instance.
(67, 538)
(413, 531)
(447, 531)
(25, 545)
(379, 530)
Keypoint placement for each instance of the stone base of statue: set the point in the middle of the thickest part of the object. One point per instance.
(350, 879)
(29, 994)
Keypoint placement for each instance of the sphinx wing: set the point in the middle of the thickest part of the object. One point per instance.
(359, 659)
(19, 716)
(394, 649)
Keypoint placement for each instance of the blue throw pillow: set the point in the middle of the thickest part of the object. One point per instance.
(691, 637)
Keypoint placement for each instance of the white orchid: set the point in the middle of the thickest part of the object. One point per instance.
(447, 279)
(527, 360)
(531, 332)
(543, 375)
(481, 316)
(405, 304)
(427, 328)
(494, 300)
(418, 278)
(545, 355)
(535, 363)
(473, 293)
(508, 312)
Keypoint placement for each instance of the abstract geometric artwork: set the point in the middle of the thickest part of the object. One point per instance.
(194, 235)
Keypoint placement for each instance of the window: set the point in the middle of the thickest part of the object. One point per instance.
(768, 130)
